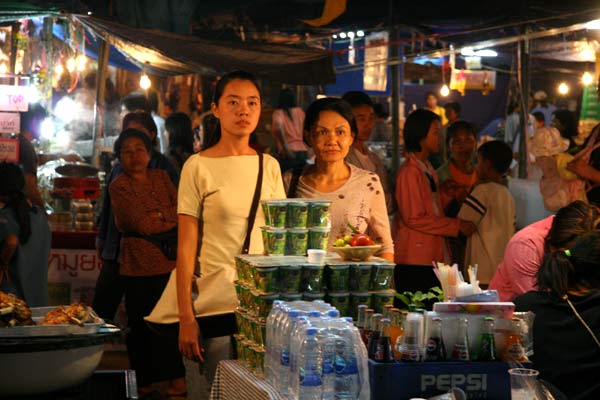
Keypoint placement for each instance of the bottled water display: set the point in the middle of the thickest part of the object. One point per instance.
(313, 354)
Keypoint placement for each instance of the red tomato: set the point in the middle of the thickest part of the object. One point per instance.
(361, 239)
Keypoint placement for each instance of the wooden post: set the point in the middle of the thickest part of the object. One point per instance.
(98, 127)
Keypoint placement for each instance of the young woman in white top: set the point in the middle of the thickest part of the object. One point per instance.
(214, 201)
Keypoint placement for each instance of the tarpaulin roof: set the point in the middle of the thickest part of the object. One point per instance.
(168, 53)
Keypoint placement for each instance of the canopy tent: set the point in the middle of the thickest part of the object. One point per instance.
(168, 53)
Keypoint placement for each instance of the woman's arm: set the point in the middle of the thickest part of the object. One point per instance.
(584, 170)
(189, 333)
(130, 216)
(414, 212)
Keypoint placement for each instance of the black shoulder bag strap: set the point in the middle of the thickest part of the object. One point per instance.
(254, 206)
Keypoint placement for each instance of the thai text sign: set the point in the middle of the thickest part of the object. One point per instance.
(9, 150)
(10, 122)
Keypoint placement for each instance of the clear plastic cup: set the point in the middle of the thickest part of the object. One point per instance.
(523, 383)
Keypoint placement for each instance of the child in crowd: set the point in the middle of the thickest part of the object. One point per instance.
(491, 207)
(558, 185)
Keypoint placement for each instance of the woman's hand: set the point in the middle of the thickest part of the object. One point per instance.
(467, 228)
(189, 340)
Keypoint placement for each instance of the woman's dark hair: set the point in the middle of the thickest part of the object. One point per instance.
(575, 267)
(143, 118)
(180, 131)
(12, 182)
(127, 134)
(417, 127)
(336, 105)
(356, 98)
(576, 220)
(568, 121)
(380, 111)
(219, 90)
(287, 100)
(456, 127)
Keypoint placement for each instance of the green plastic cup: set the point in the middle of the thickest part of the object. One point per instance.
(276, 238)
(238, 344)
(263, 303)
(382, 275)
(313, 296)
(290, 278)
(360, 277)
(277, 213)
(341, 301)
(265, 209)
(381, 298)
(319, 213)
(357, 298)
(265, 279)
(264, 230)
(312, 278)
(297, 214)
(338, 278)
(318, 238)
(259, 353)
(297, 241)
(239, 320)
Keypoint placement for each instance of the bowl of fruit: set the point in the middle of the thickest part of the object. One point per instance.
(355, 247)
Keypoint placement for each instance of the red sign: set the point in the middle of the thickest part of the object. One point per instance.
(9, 150)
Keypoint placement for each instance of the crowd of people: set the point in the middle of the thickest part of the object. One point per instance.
(448, 202)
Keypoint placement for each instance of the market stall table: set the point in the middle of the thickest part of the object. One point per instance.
(234, 382)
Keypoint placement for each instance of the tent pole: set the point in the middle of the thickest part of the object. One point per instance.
(103, 51)
(397, 89)
(523, 59)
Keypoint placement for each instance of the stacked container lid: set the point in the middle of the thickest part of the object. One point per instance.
(295, 225)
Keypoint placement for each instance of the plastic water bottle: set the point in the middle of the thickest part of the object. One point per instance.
(346, 368)
(297, 337)
(280, 319)
(286, 334)
(328, 340)
(310, 371)
(269, 340)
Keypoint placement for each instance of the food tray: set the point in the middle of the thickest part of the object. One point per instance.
(38, 314)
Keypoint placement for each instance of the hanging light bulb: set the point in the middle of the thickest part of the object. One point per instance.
(3, 68)
(145, 82)
(563, 88)
(81, 61)
(71, 64)
(445, 90)
(59, 69)
(587, 78)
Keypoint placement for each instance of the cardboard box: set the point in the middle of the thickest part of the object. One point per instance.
(479, 380)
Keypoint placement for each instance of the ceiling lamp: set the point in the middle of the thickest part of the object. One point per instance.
(587, 78)
(563, 88)
(145, 82)
(360, 33)
(59, 69)
(467, 51)
(71, 64)
(486, 53)
(350, 34)
(594, 24)
(343, 35)
(444, 91)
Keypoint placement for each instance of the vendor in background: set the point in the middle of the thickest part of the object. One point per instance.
(161, 132)
(214, 202)
(566, 123)
(144, 201)
(288, 120)
(420, 225)
(567, 317)
(432, 104)
(382, 130)
(109, 286)
(31, 121)
(359, 155)
(356, 194)
(181, 139)
(24, 240)
(516, 274)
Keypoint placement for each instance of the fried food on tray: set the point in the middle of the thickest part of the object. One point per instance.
(76, 313)
(13, 311)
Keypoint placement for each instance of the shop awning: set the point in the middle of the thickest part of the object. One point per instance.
(168, 53)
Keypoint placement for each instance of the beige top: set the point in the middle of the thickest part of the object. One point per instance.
(492, 208)
(371, 162)
(360, 202)
(219, 192)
